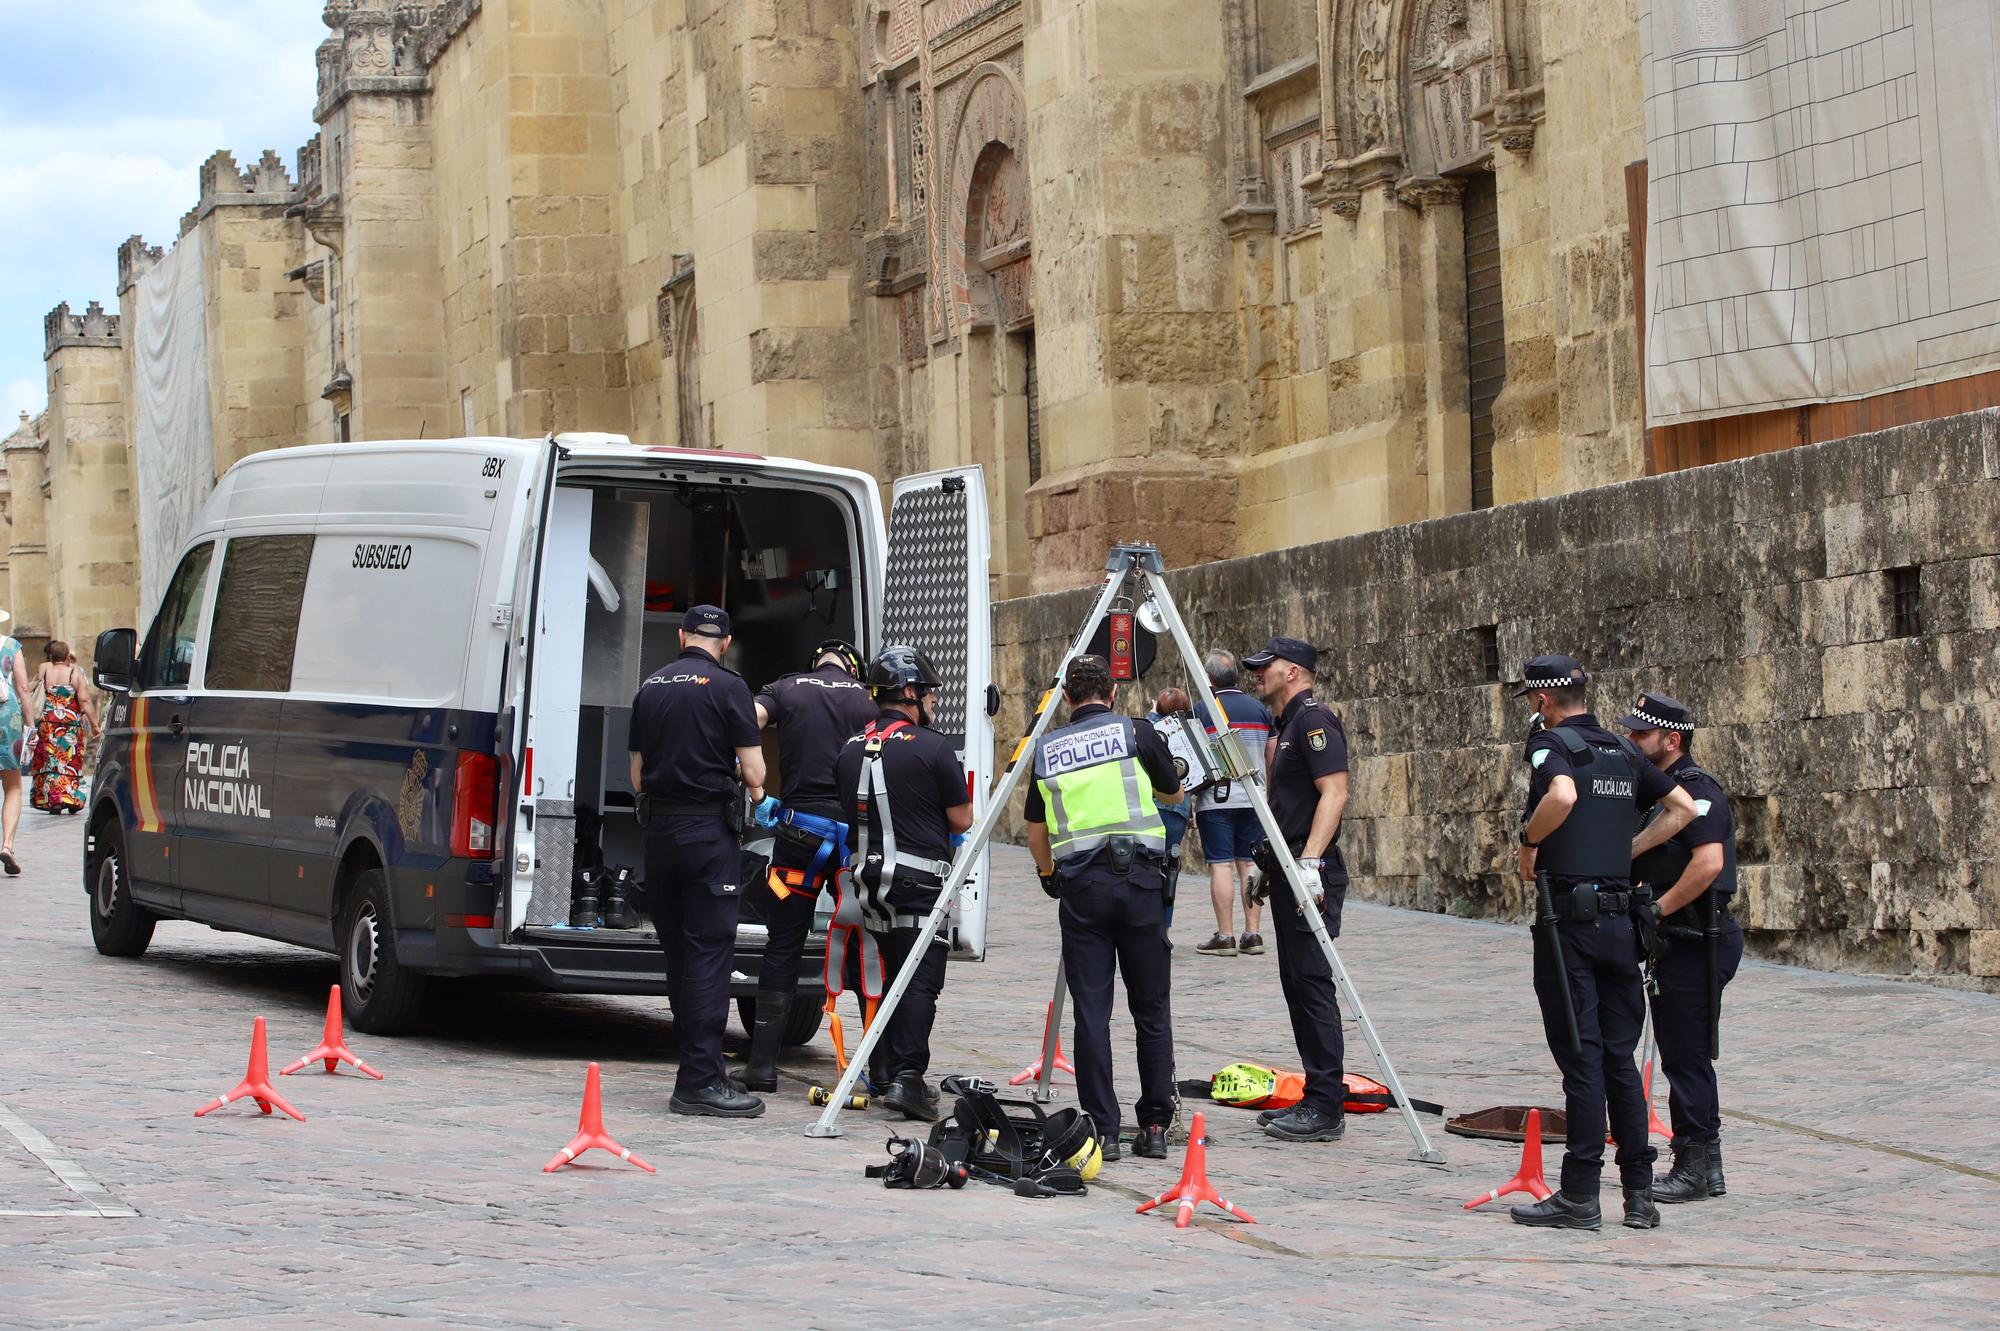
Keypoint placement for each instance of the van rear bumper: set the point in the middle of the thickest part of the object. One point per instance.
(598, 961)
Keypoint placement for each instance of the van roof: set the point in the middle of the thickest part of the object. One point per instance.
(337, 481)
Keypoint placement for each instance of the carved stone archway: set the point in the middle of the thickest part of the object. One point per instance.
(1414, 87)
(988, 227)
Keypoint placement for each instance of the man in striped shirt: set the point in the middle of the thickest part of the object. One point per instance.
(1226, 820)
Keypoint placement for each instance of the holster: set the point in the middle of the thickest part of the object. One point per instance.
(1646, 925)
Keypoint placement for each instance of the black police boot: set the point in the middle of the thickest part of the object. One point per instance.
(1687, 1181)
(1559, 1210)
(1151, 1142)
(1640, 1213)
(1307, 1123)
(721, 1101)
(768, 1032)
(1111, 1150)
(1716, 1186)
(909, 1097)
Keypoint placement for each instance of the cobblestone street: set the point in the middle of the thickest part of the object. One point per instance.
(1863, 1139)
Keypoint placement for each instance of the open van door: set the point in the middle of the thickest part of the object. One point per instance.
(936, 598)
(524, 537)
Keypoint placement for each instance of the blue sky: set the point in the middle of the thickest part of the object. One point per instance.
(107, 110)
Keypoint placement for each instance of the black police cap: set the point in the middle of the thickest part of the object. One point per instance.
(1296, 650)
(709, 621)
(1656, 711)
(1550, 672)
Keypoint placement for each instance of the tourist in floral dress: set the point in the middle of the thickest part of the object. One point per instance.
(14, 687)
(68, 721)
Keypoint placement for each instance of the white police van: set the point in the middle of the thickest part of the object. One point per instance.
(382, 708)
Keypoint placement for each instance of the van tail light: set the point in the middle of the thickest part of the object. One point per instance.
(475, 811)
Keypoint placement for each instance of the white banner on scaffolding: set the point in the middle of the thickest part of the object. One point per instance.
(1823, 198)
(173, 436)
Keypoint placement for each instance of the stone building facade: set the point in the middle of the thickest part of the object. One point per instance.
(1266, 271)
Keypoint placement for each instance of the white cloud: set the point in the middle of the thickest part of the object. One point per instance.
(17, 396)
(108, 111)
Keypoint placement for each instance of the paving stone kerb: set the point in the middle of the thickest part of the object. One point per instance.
(1863, 1183)
(1861, 763)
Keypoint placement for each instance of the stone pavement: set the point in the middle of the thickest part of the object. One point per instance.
(1863, 1141)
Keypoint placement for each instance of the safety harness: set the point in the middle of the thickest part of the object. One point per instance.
(860, 910)
(872, 791)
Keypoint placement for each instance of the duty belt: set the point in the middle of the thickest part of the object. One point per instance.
(1608, 901)
(652, 807)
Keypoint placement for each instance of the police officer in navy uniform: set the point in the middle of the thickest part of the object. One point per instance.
(1585, 789)
(1103, 855)
(694, 732)
(1308, 775)
(904, 793)
(1693, 876)
(815, 713)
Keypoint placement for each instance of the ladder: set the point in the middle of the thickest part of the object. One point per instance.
(1128, 564)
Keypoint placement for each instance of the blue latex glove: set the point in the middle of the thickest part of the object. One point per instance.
(766, 812)
(959, 838)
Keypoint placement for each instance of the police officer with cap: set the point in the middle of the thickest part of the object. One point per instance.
(815, 713)
(1307, 764)
(1693, 876)
(1100, 845)
(904, 793)
(693, 732)
(1585, 789)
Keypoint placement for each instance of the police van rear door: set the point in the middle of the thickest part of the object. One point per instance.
(936, 598)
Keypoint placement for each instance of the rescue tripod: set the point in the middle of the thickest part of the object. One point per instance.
(1127, 562)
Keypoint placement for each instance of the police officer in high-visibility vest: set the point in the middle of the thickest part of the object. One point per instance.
(904, 793)
(1693, 876)
(1585, 789)
(693, 732)
(1094, 828)
(815, 714)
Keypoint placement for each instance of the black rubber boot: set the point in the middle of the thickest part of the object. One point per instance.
(1560, 1211)
(911, 1098)
(1640, 1213)
(1687, 1181)
(761, 1073)
(1716, 1186)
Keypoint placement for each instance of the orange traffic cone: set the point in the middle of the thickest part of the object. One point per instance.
(1033, 1071)
(590, 1131)
(1653, 1124)
(1193, 1188)
(332, 1048)
(1528, 1178)
(256, 1082)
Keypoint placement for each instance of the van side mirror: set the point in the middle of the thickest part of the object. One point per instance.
(116, 663)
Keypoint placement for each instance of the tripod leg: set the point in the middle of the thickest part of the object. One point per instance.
(1052, 1039)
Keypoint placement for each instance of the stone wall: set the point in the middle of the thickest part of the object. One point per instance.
(90, 524)
(1861, 762)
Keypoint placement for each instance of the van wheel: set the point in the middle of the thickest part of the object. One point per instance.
(120, 926)
(377, 993)
(802, 1018)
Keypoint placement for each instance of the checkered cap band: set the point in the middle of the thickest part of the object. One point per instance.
(1659, 724)
(1562, 682)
